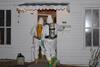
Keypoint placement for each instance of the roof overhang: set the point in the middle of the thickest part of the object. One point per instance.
(42, 6)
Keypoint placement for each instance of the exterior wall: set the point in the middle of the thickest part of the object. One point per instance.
(73, 46)
(71, 49)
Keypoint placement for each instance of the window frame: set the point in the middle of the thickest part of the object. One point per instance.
(92, 46)
(5, 27)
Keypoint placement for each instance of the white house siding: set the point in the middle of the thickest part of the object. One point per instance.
(70, 45)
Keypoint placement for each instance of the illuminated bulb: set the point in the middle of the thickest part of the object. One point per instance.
(49, 19)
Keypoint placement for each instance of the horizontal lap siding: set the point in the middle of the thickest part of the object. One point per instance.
(72, 48)
(70, 43)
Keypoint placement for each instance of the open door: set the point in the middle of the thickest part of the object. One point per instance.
(44, 14)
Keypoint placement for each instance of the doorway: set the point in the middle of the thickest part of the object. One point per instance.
(44, 14)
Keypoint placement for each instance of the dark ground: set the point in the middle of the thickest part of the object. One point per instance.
(12, 63)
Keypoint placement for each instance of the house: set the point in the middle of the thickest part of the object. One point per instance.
(73, 46)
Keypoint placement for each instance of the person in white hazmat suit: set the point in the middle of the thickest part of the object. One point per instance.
(50, 40)
(38, 39)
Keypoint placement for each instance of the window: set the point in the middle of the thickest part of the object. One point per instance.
(92, 27)
(5, 27)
